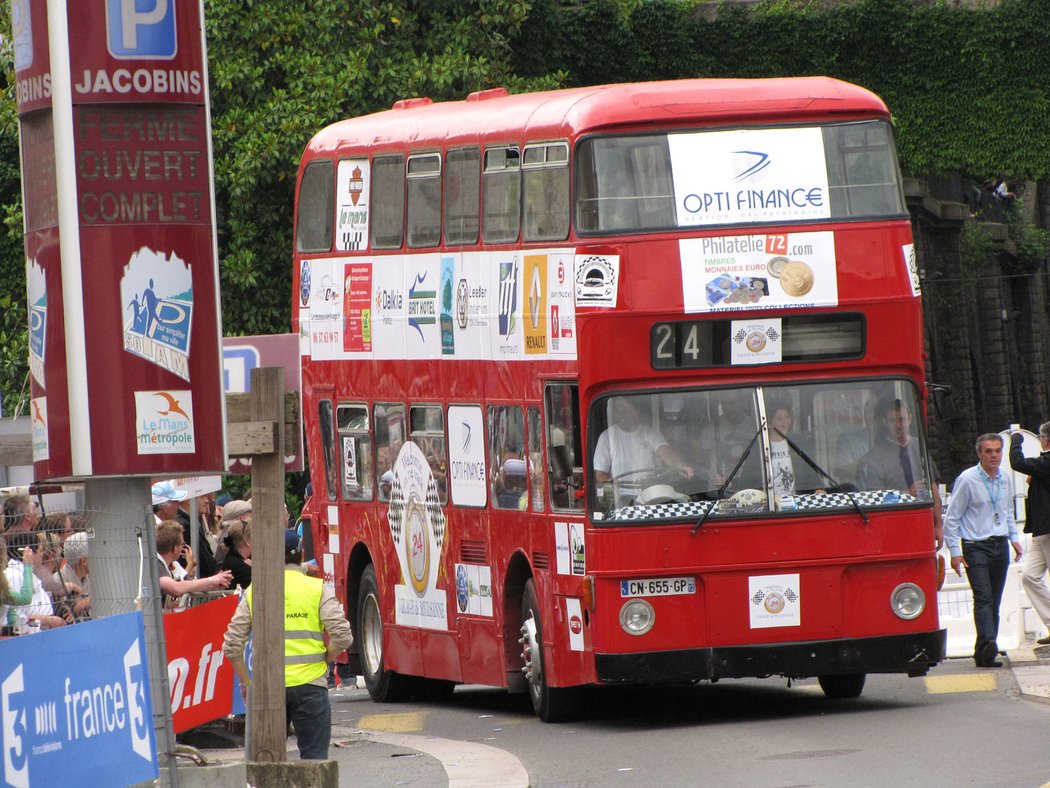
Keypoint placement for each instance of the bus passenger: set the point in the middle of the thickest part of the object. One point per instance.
(789, 477)
(629, 446)
(894, 461)
(735, 433)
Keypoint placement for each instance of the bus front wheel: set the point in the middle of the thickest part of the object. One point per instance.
(551, 704)
(384, 686)
(848, 685)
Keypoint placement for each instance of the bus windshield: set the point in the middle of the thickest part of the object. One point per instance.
(718, 177)
(751, 450)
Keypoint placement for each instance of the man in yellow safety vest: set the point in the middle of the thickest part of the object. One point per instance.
(310, 610)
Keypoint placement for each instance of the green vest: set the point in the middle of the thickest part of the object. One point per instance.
(305, 653)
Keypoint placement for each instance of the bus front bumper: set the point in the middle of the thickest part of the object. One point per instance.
(913, 654)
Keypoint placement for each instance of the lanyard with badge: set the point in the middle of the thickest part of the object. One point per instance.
(993, 498)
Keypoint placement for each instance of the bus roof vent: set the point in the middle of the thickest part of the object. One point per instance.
(485, 95)
(421, 101)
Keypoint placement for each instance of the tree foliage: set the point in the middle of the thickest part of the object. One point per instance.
(964, 85)
(280, 70)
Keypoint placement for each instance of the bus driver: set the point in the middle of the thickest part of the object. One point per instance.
(629, 446)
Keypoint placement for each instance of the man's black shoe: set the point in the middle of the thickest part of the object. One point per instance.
(986, 656)
(1043, 641)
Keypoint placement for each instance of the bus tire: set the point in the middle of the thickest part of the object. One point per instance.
(551, 704)
(384, 686)
(839, 687)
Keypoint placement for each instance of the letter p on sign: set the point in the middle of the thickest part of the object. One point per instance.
(141, 29)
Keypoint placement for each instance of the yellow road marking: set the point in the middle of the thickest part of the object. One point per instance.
(406, 722)
(965, 682)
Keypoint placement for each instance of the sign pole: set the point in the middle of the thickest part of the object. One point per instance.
(121, 516)
(267, 712)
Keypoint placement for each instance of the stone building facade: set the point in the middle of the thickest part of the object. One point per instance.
(986, 316)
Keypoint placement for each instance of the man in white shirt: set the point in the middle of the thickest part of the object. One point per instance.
(629, 446)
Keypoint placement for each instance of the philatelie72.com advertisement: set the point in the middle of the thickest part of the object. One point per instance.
(737, 272)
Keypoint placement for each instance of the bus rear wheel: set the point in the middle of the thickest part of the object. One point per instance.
(848, 685)
(384, 686)
(551, 704)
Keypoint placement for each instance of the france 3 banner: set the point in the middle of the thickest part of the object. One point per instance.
(75, 706)
(200, 679)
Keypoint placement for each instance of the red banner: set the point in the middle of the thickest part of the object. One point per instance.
(200, 678)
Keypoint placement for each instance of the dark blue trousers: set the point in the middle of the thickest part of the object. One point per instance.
(987, 562)
(308, 708)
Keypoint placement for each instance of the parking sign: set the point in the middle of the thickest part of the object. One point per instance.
(141, 29)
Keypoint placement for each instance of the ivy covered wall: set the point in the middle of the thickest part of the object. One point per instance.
(969, 88)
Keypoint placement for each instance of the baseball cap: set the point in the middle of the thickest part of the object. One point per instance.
(293, 543)
(165, 491)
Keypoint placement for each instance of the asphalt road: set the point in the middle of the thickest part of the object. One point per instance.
(958, 726)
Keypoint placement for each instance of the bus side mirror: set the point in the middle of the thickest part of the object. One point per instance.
(943, 405)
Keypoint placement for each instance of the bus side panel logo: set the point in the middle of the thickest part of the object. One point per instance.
(141, 29)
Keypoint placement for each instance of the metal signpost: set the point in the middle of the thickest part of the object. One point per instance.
(121, 267)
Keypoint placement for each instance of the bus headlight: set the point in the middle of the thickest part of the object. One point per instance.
(908, 601)
(637, 617)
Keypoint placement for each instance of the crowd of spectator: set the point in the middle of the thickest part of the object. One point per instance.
(44, 572)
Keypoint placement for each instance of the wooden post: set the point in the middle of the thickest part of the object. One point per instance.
(269, 731)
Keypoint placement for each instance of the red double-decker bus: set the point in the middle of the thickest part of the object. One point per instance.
(618, 384)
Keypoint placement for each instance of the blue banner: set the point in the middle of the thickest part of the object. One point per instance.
(75, 706)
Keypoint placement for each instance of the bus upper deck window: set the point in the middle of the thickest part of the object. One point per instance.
(313, 231)
(624, 183)
(501, 214)
(424, 200)
(545, 174)
(462, 196)
(863, 176)
(388, 202)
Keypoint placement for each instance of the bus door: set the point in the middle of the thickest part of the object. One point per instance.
(568, 614)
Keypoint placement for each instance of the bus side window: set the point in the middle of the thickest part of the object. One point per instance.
(562, 404)
(535, 455)
(424, 200)
(388, 202)
(315, 224)
(501, 212)
(462, 196)
(326, 422)
(509, 477)
(427, 431)
(355, 452)
(389, 421)
(545, 174)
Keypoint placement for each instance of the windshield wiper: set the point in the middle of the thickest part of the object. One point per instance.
(813, 464)
(729, 478)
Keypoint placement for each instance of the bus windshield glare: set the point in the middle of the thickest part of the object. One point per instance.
(715, 177)
(757, 451)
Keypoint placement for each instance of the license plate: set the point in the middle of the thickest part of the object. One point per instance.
(658, 586)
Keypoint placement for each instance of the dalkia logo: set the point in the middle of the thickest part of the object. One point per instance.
(164, 422)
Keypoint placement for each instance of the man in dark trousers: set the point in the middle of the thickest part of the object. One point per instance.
(979, 529)
(310, 610)
(1037, 520)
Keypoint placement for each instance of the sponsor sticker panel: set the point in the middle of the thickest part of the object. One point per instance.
(749, 272)
(774, 601)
